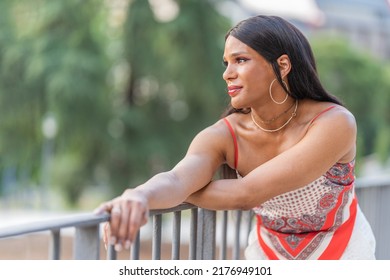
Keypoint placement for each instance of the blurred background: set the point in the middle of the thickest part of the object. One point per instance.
(97, 96)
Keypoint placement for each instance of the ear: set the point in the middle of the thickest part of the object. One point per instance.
(284, 65)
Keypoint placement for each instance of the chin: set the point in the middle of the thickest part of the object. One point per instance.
(237, 105)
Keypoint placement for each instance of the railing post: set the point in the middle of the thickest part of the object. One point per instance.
(156, 242)
(206, 234)
(176, 229)
(111, 253)
(223, 246)
(86, 243)
(136, 248)
(237, 230)
(55, 245)
(193, 234)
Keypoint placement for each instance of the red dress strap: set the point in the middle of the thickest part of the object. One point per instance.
(322, 112)
(234, 141)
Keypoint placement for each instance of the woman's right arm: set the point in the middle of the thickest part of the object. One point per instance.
(168, 189)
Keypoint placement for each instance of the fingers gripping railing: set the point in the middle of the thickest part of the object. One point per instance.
(157, 226)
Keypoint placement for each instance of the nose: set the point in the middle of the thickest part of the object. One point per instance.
(229, 73)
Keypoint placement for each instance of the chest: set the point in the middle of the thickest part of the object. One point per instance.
(256, 148)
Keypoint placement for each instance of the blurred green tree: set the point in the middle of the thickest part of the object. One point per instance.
(54, 62)
(128, 89)
(174, 86)
(362, 82)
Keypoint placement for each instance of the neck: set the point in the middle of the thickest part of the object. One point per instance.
(273, 113)
(278, 120)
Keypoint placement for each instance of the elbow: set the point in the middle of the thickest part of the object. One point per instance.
(247, 201)
(245, 208)
(248, 205)
(249, 197)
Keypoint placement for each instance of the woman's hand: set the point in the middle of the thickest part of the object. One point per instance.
(128, 212)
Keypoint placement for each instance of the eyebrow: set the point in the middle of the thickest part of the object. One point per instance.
(235, 54)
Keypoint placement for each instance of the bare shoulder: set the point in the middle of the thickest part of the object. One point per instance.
(336, 125)
(214, 137)
(238, 121)
(218, 131)
(335, 116)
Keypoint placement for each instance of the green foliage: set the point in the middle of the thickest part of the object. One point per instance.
(54, 62)
(128, 94)
(383, 144)
(362, 82)
(175, 87)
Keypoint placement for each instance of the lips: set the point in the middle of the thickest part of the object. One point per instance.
(233, 90)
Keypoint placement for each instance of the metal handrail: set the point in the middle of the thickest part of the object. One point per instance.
(87, 236)
(55, 224)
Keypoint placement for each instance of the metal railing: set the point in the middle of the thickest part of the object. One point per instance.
(374, 197)
(208, 230)
(202, 241)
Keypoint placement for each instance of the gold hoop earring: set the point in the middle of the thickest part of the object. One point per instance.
(270, 93)
(285, 84)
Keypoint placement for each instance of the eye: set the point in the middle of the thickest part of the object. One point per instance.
(241, 60)
(224, 63)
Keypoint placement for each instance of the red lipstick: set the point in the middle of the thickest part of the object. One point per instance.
(233, 90)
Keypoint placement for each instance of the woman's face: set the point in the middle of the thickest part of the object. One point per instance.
(248, 75)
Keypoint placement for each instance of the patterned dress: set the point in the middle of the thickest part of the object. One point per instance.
(321, 220)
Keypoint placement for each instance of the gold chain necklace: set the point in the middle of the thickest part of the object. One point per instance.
(277, 117)
(293, 114)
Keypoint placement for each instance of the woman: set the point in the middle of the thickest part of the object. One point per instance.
(290, 144)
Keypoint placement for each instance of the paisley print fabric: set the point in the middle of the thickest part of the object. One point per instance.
(304, 223)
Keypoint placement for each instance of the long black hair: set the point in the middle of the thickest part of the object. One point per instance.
(271, 37)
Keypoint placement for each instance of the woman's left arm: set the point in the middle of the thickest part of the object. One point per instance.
(328, 140)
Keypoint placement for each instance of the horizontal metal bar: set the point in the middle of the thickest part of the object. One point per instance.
(54, 224)
(376, 182)
(180, 207)
(76, 220)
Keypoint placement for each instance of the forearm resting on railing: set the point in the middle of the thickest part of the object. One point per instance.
(161, 191)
